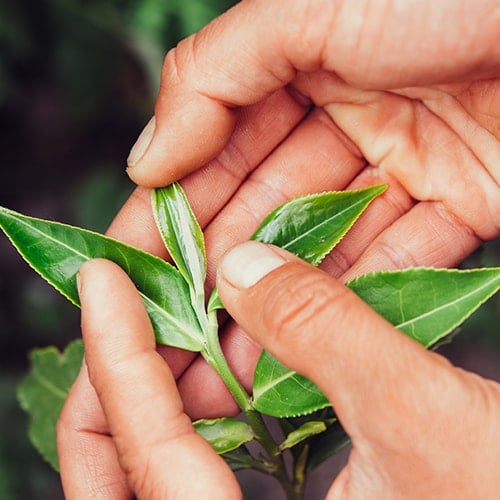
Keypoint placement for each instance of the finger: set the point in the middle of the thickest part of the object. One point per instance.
(257, 47)
(427, 235)
(295, 168)
(289, 307)
(418, 148)
(139, 397)
(88, 461)
(260, 129)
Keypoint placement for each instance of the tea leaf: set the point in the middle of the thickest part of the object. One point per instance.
(183, 238)
(327, 444)
(281, 392)
(214, 302)
(57, 251)
(224, 434)
(310, 226)
(43, 391)
(241, 459)
(305, 431)
(427, 304)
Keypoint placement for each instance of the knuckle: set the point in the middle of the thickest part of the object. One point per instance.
(306, 305)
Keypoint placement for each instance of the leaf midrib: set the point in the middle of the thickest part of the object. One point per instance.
(45, 382)
(145, 298)
(273, 383)
(323, 222)
(447, 304)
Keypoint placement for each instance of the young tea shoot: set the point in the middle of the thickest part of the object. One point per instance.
(424, 303)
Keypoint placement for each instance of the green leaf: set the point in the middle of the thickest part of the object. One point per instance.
(427, 304)
(214, 302)
(241, 459)
(183, 238)
(224, 434)
(305, 431)
(57, 251)
(310, 226)
(281, 392)
(43, 391)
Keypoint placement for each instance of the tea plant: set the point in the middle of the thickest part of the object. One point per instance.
(426, 304)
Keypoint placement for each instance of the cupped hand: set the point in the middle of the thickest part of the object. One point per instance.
(271, 101)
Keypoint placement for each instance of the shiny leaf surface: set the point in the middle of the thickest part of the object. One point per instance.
(310, 226)
(184, 240)
(281, 392)
(427, 304)
(57, 251)
(305, 431)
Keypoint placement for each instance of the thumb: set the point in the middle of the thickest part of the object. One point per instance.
(321, 329)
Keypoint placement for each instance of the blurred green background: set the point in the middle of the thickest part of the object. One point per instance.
(78, 80)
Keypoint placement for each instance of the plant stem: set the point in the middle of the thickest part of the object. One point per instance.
(214, 356)
(299, 471)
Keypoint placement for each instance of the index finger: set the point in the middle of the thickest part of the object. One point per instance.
(137, 391)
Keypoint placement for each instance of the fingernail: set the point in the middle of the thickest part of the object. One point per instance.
(78, 284)
(245, 264)
(142, 143)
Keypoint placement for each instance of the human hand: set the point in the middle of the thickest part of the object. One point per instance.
(407, 112)
(122, 430)
(420, 427)
(280, 121)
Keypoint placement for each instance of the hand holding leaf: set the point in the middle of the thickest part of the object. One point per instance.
(175, 301)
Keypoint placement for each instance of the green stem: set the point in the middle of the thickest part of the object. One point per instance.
(299, 471)
(214, 356)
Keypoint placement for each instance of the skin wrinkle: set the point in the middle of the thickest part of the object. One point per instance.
(388, 159)
(481, 141)
(482, 99)
(312, 20)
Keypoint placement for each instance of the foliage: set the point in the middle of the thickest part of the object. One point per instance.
(310, 226)
(43, 391)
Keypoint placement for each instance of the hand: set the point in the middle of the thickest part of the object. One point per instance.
(122, 429)
(266, 120)
(420, 427)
